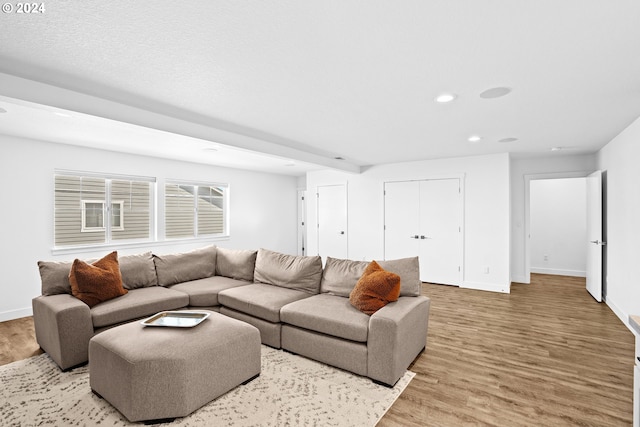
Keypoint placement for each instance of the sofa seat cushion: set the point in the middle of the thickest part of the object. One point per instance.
(328, 314)
(260, 300)
(204, 292)
(137, 303)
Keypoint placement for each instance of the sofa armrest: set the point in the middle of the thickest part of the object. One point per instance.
(397, 334)
(63, 328)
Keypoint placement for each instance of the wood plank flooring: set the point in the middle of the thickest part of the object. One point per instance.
(545, 355)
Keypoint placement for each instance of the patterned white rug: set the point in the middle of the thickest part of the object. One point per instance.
(290, 391)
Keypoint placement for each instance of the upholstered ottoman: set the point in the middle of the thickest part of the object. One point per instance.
(156, 373)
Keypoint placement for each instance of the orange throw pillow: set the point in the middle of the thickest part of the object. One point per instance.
(376, 288)
(97, 282)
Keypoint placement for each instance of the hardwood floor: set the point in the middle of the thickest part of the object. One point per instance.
(544, 355)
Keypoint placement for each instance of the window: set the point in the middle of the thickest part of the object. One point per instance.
(117, 215)
(93, 214)
(83, 202)
(195, 210)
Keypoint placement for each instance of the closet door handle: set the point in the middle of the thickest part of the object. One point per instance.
(414, 237)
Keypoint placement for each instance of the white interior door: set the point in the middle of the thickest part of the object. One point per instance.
(332, 221)
(401, 219)
(594, 235)
(424, 219)
(441, 231)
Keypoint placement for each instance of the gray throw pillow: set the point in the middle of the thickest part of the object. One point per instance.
(184, 267)
(54, 276)
(236, 263)
(409, 271)
(289, 271)
(341, 275)
(138, 271)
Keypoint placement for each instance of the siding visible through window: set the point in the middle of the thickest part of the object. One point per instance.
(195, 210)
(83, 202)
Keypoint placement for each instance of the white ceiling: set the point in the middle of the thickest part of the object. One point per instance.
(307, 81)
(69, 127)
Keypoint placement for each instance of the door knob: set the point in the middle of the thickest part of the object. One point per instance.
(424, 237)
(598, 242)
(414, 237)
(342, 232)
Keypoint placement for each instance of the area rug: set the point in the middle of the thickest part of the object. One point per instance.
(290, 391)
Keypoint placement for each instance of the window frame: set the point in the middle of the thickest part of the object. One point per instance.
(225, 234)
(88, 229)
(107, 205)
(106, 213)
(120, 217)
(156, 214)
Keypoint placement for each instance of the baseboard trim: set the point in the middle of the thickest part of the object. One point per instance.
(559, 272)
(520, 279)
(491, 287)
(15, 314)
(624, 317)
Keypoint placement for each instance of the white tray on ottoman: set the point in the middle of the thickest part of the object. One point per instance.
(151, 373)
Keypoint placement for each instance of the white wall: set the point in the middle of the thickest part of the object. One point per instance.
(558, 226)
(262, 208)
(619, 160)
(521, 171)
(486, 210)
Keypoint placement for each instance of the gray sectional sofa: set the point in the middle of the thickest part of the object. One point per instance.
(295, 303)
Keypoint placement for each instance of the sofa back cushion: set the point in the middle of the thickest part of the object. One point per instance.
(54, 276)
(409, 271)
(184, 267)
(341, 275)
(236, 263)
(289, 271)
(138, 271)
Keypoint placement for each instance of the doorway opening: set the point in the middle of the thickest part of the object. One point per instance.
(546, 189)
(558, 226)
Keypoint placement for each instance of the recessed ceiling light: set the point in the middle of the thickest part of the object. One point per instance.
(62, 114)
(508, 140)
(2, 110)
(556, 149)
(443, 98)
(495, 92)
(474, 138)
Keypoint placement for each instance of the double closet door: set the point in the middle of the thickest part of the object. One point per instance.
(424, 218)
